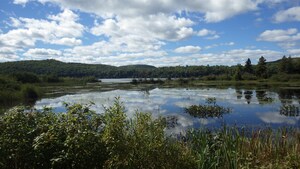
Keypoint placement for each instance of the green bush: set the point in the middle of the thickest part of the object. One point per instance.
(141, 142)
(29, 93)
(248, 76)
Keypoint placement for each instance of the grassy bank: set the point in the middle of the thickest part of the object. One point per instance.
(80, 138)
(26, 88)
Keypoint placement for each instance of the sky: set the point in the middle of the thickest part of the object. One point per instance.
(153, 32)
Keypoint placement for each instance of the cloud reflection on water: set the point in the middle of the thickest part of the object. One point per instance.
(172, 101)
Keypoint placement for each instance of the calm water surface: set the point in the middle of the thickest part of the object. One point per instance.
(252, 108)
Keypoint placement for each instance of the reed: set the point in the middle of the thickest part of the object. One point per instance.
(81, 138)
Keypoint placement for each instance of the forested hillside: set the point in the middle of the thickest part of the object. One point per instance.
(61, 69)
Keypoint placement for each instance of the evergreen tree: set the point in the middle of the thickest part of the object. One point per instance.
(283, 65)
(289, 65)
(248, 66)
(261, 69)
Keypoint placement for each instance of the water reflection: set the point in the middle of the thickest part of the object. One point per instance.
(263, 97)
(171, 102)
(276, 118)
(286, 96)
(248, 95)
(239, 93)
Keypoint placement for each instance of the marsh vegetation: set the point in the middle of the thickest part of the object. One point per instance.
(81, 138)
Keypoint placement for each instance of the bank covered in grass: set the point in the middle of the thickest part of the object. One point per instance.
(81, 138)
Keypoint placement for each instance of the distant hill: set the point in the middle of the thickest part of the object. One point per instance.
(137, 67)
(54, 67)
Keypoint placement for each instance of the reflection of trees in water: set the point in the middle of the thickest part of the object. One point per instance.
(248, 95)
(287, 95)
(263, 97)
(290, 110)
(146, 91)
(239, 93)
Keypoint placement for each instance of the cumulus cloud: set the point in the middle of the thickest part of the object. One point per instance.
(188, 49)
(294, 52)
(205, 32)
(213, 11)
(209, 34)
(42, 53)
(160, 26)
(8, 54)
(279, 35)
(291, 14)
(60, 29)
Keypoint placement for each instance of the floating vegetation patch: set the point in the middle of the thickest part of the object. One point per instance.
(210, 109)
(290, 110)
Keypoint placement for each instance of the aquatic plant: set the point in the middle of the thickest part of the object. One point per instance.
(211, 109)
(289, 110)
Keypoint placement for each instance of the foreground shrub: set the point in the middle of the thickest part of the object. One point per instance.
(141, 142)
(80, 138)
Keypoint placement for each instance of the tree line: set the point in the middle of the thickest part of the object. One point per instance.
(247, 71)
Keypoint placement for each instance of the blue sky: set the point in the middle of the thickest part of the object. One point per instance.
(155, 32)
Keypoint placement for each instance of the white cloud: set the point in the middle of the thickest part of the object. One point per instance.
(209, 34)
(20, 2)
(14, 22)
(188, 49)
(60, 29)
(294, 52)
(160, 27)
(42, 53)
(205, 32)
(280, 35)
(8, 54)
(291, 14)
(67, 41)
(214, 11)
(220, 44)
(288, 45)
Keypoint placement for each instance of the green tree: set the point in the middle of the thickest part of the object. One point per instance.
(238, 72)
(283, 64)
(248, 66)
(286, 65)
(290, 66)
(261, 69)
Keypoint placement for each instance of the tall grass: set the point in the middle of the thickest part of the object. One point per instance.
(80, 138)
